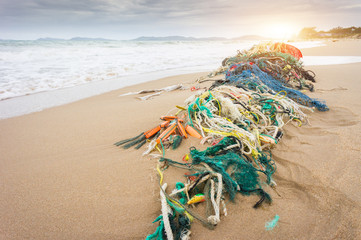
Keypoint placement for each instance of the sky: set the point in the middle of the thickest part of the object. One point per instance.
(128, 19)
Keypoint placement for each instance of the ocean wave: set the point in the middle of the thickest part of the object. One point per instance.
(28, 67)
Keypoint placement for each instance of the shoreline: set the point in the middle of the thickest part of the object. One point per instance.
(62, 178)
(35, 102)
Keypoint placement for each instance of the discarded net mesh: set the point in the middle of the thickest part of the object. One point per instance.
(250, 76)
(244, 177)
(280, 60)
(242, 118)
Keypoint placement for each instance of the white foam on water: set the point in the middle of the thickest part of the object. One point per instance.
(35, 75)
(18, 106)
(28, 67)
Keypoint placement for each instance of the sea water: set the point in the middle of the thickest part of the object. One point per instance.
(35, 75)
(28, 67)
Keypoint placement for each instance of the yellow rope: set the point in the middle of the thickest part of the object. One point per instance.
(219, 105)
(161, 182)
(160, 174)
(283, 96)
(156, 146)
(187, 214)
(298, 120)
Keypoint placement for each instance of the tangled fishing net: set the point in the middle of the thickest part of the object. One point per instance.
(242, 119)
(279, 60)
(250, 76)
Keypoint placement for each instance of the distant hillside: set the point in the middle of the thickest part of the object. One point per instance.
(145, 38)
(178, 38)
(338, 32)
(50, 39)
(182, 38)
(89, 39)
(250, 37)
(213, 39)
(73, 39)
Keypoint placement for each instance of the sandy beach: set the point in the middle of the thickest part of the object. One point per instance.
(61, 177)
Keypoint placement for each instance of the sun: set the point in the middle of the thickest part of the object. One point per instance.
(279, 31)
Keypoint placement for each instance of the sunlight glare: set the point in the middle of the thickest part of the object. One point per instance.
(280, 31)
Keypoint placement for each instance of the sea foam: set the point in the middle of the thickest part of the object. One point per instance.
(28, 67)
(35, 75)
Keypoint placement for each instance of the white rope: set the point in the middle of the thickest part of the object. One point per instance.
(150, 148)
(185, 235)
(215, 219)
(188, 186)
(224, 208)
(165, 211)
(199, 125)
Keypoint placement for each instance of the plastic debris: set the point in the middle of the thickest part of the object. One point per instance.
(241, 118)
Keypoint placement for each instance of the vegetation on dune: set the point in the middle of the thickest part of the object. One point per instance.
(338, 32)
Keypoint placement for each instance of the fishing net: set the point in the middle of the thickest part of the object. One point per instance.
(242, 118)
(280, 60)
(250, 76)
(243, 177)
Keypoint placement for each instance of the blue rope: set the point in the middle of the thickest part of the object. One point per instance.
(250, 76)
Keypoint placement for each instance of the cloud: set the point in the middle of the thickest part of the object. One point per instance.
(354, 6)
(166, 16)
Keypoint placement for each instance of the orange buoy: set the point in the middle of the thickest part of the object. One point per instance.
(165, 124)
(152, 132)
(181, 129)
(170, 118)
(194, 133)
(287, 48)
(167, 132)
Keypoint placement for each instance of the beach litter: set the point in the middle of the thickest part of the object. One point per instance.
(155, 92)
(241, 118)
(272, 224)
(150, 96)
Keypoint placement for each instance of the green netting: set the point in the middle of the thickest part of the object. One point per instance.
(238, 174)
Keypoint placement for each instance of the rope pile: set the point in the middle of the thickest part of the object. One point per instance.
(279, 60)
(242, 119)
(250, 76)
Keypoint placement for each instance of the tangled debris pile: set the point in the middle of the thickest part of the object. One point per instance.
(279, 60)
(242, 118)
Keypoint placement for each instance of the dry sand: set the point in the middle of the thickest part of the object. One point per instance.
(62, 178)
